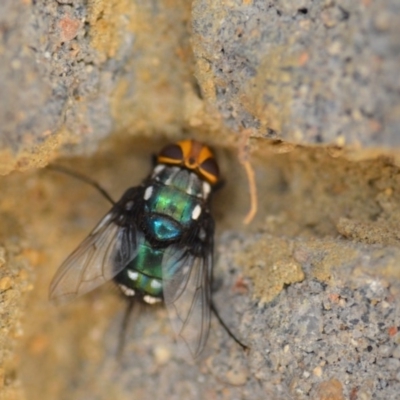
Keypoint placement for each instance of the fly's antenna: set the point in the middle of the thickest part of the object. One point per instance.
(83, 178)
(228, 331)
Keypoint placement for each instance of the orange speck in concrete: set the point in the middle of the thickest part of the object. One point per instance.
(69, 28)
(303, 58)
(392, 330)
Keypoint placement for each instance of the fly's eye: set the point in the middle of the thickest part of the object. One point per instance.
(210, 169)
(172, 152)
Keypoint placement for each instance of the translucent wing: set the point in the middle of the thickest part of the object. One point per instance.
(102, 255)
(187, 274)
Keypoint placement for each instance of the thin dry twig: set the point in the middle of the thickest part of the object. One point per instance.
(243, 153)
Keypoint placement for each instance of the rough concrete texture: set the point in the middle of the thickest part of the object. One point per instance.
(304, 71)
(312, 286)
(319, 310)
(69, 67)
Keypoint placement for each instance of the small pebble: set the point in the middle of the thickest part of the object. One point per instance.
(385, 350)
(335, 48)
(317, 371)
(286, 349)
(162, 355)
(5, 283)
(330, 390)
(237, 377)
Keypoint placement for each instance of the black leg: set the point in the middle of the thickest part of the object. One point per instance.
(228, 331)
(83, 178)
(132, 306)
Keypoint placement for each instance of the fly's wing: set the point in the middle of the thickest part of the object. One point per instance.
(187, 271)
(103, 254)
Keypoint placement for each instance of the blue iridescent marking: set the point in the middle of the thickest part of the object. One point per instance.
(164, 228)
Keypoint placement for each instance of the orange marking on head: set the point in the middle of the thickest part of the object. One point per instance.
(193, 155)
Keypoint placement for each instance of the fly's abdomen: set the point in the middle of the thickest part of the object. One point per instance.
(143, 274)
(145, 284)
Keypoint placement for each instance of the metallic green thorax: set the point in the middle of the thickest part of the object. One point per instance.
(175, 193)
(170, 200)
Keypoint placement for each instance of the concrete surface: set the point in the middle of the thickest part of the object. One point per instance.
(311, 285)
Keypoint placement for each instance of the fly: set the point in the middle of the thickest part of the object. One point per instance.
(156, 243)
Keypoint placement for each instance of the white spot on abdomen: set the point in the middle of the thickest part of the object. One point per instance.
(150, 299)
(127, 291)
(133, 275)
(155, 284)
